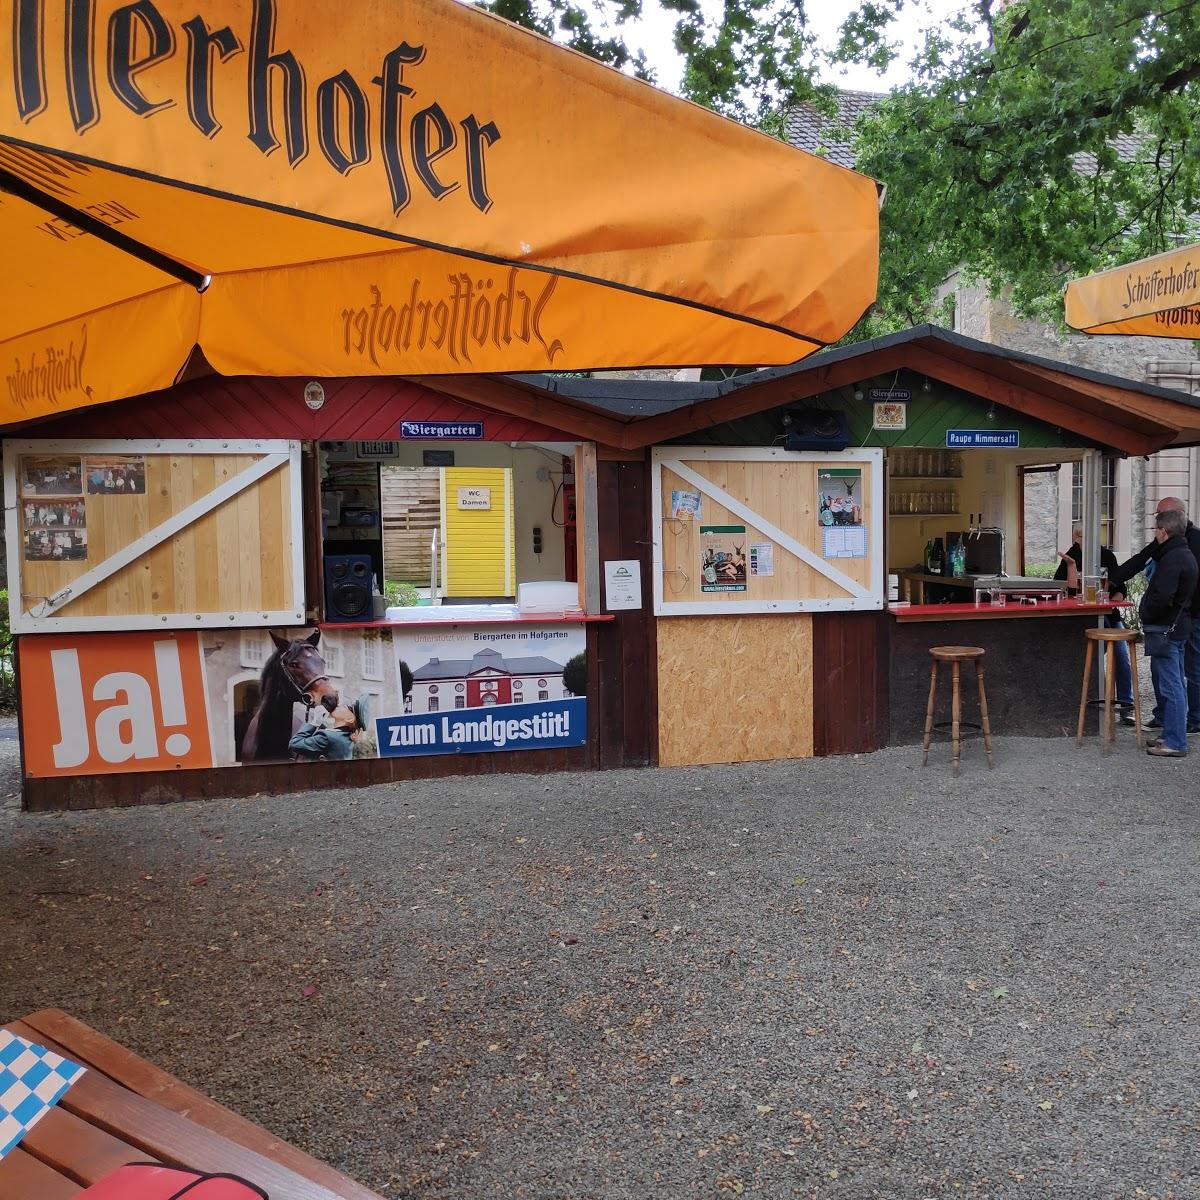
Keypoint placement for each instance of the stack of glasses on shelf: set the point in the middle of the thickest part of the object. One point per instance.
(930, 503)
(914, 463)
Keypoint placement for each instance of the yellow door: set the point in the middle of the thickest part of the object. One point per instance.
(478, 531)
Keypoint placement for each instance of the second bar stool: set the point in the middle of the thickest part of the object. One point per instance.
(1109, 638)
(956, 656)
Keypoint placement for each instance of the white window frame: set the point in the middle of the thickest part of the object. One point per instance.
(231, 685)
(274, 455)
(371, 638)
(674, 458)
(333, 651)
(263, 638)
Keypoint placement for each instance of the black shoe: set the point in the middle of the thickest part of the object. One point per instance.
(1193, 729)
(1153, 723)
(1127, 717)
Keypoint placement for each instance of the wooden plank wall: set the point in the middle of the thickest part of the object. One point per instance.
(237, 558)
(734, 689)
(625, 647)
(851, 695)
(243, 406)
(411, 512)
(163, 787)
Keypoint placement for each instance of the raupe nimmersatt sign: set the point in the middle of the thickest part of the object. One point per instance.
(983, 439)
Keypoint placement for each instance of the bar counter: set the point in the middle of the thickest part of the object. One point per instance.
(1033, 667)
(997, 612)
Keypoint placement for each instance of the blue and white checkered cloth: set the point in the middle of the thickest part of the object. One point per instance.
(32, 1081)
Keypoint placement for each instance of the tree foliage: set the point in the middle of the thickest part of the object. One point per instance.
(575, 675)
(1039, 139)
(748, 59)
(1037, 142)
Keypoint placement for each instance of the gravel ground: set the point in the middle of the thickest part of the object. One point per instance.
(841, 978)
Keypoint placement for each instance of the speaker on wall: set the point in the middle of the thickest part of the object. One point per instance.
(348, 587)
(815, 429)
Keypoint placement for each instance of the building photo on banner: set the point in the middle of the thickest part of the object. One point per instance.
(145, 701)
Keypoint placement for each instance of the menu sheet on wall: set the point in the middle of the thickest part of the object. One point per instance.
(844, 541)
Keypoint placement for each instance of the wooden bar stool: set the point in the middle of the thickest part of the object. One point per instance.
(956, 656)
(1109, 638)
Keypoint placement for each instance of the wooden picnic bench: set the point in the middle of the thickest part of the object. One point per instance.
(124, 1109)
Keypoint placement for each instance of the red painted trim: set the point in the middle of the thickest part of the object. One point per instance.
(218, 406)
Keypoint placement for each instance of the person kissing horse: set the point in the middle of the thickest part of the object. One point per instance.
(294, 674)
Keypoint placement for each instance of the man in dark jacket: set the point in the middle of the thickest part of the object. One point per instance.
(1191, 651)
(1167, 604)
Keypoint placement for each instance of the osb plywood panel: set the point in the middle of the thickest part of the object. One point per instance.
(785, 495)
(734, 689)
(237, 558)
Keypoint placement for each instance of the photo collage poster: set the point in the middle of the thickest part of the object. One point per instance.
(54, 499)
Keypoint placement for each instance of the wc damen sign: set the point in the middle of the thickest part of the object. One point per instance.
(478, 498)
(118, 702)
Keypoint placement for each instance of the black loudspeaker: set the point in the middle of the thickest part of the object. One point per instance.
(815, 429)
(348, 587)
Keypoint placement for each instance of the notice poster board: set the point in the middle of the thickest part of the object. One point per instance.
(780, 531)
(124, 535)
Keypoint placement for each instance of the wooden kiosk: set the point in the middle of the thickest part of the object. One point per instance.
(719, 598)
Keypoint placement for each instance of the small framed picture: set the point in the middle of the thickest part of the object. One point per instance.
(889, 414)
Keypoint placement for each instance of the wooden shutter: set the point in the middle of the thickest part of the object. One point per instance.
(767, 502)
(153, 534)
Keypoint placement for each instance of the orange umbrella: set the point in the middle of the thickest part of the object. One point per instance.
(370, 187)
(1155, 297)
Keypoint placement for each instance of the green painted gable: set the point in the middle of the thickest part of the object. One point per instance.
(930, 414)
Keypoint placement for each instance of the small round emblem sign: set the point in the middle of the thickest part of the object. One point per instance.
(314, 395)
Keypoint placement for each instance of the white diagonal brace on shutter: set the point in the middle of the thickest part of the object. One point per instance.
(168, 528)
(789, 543)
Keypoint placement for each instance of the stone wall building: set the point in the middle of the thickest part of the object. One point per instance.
(1133, 487)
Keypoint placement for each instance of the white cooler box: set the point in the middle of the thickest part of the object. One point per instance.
(548, 596)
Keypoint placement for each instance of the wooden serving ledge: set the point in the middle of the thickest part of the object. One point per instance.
(431, 623)
(998, 612)
(125, 1110)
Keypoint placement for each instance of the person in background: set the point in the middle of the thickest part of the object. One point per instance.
(1142, 561)
(1167, 605)
(1070, 569)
